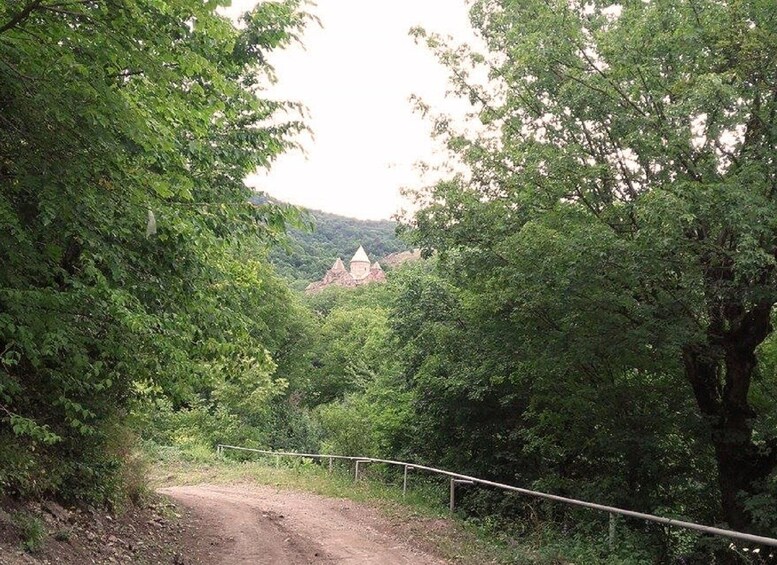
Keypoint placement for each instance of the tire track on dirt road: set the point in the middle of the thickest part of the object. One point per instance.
(263, 525)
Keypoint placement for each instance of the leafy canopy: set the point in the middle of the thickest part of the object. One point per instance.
(619, 218)
(129, 249)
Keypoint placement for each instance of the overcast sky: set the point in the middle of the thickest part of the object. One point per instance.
(355, 74)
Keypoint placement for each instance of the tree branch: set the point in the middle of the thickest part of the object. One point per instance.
(21, 16)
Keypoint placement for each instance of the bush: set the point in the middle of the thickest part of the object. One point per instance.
(349, 427)
(31, 530)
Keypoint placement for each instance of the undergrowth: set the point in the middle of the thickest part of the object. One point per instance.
(31, 530)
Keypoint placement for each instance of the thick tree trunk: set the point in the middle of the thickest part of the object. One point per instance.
(720, 373)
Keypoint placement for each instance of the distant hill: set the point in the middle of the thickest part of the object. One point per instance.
(310, 254)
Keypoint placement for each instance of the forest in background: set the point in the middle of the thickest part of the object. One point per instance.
(594, 317)
(310, 246)
(308, 253)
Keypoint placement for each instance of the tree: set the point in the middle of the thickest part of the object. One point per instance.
(622, 198)
(352, 346)
(125, 132)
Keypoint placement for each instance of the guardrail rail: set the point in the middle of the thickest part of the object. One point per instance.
(458, 478)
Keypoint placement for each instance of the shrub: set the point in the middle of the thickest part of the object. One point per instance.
(31, 530)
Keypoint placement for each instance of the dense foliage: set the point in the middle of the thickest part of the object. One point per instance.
(614, 249)
(133, 266)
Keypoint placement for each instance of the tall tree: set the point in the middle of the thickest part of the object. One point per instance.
(126, 128)
(624, 195)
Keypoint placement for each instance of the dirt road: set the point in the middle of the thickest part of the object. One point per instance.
(262, 525)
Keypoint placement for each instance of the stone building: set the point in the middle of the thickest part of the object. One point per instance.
(361, 272)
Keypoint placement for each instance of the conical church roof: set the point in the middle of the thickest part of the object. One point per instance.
(338, 266)
(360, 256)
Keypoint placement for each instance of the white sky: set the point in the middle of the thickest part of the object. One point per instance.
(355, 74)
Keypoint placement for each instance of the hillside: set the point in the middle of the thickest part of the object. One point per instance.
(310, 253)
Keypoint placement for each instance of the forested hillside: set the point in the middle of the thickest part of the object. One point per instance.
(308, 253)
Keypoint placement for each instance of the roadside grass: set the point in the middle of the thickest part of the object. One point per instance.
(422, 514)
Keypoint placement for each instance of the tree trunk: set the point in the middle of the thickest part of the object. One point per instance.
(720, 373)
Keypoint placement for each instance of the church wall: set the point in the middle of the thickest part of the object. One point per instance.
(360, 270)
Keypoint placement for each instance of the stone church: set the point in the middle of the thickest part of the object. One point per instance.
(361, 272)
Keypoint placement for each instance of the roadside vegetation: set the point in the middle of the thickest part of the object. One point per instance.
(134, 266)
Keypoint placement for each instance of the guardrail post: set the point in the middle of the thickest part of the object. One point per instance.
(356, 475)
(277, 461)
(218, 451)
(330, 464)
(455, 482)
(611, 537)
(404, 483)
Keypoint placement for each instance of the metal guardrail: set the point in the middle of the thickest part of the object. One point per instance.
(458, 478)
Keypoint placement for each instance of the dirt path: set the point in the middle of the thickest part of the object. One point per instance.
(262, 525)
